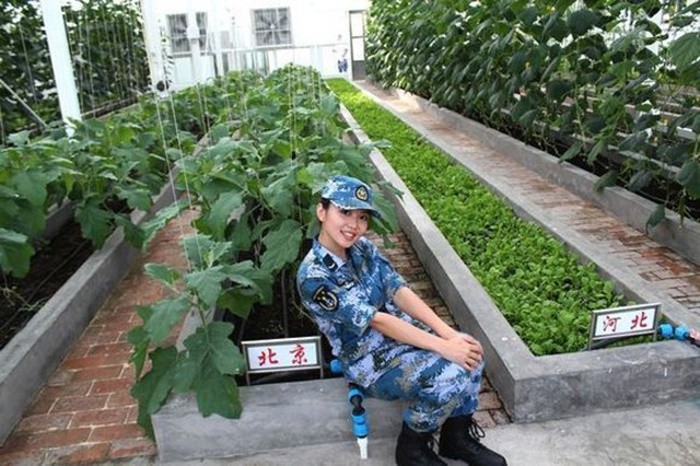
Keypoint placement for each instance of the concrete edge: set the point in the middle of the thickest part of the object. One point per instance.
(32, 355)
(273, 411)
(683, 237)
(544, 387)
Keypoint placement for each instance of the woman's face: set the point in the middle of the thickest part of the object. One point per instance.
(340, 228)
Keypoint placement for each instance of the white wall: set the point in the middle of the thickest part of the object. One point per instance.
(316, 26)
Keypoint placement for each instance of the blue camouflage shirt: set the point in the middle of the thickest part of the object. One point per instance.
(343, 297)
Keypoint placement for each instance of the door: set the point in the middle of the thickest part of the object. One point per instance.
(357, 44)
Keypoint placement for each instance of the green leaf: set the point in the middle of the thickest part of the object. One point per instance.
(95, 223)
(152, 390)
(216, 392)
(31, 185)
(607, 180)
(15, 252)
(165, 315)
(241, 237)
(226, 356)
(640, 180)
(164, 215)
(134, 234)
(595, 151)
(689, 177)
(581, 21)
(163, 273)
(572, 151)
(280, 194)
(237, 301)
(557, 89)
(136, 198)
(656, 217)
(207, 284)
(138, 336)
(685, 51)
(220, 213)
(20, 138)
(528, 15)
(281, 245)
(218, 132)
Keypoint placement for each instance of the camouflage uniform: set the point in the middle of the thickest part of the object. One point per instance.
(343, 298)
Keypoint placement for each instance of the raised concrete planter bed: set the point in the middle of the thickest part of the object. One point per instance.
(34, 353)
(547, 387)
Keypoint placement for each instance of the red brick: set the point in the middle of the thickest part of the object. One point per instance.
(60, 377)
(73, 389)
(98, 373)
(95, 361)
(116, 432)
(40, 406)
(100, 417)
(132, 447)
(120, 400)
(79, 454)
(112, 386)
(101, 337)
(21, 458)
(79, 403)
(122, 348)
(44, 422)
(133, 415)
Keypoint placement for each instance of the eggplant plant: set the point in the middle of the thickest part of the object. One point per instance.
(255, 188)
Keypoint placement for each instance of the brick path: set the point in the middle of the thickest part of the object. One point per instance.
(85, 413)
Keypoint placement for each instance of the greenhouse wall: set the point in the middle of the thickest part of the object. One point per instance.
(264, 35)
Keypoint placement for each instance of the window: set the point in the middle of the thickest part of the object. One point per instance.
(272, 27)
(177, 27)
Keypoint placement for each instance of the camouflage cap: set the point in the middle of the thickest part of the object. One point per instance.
(349, 193)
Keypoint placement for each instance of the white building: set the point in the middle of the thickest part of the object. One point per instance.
(190, 41)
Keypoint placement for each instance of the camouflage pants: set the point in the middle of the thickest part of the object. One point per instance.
(437, 388)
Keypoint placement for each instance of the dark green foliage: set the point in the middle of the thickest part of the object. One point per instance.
(597, 77)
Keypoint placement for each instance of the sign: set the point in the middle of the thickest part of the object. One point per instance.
(626, 321)
(282, 354)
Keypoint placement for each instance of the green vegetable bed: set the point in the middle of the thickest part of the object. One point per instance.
(540, 287)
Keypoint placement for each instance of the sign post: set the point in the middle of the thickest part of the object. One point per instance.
(282, 354)
(623, 322)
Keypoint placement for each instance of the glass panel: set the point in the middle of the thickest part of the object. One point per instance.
(358, 49)
(357, 26)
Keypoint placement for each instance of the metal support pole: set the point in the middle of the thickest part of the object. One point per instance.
(61, 61)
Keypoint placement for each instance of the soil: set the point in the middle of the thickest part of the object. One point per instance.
(53, 264)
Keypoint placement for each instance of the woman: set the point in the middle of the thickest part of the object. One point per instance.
(388, 340)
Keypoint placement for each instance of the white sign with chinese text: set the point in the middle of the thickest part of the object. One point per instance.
(283, 354)
(640, 319)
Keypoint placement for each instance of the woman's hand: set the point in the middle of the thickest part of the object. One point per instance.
(463, 350)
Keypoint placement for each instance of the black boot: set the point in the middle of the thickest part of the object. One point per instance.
(416, 449)
(460, 439)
